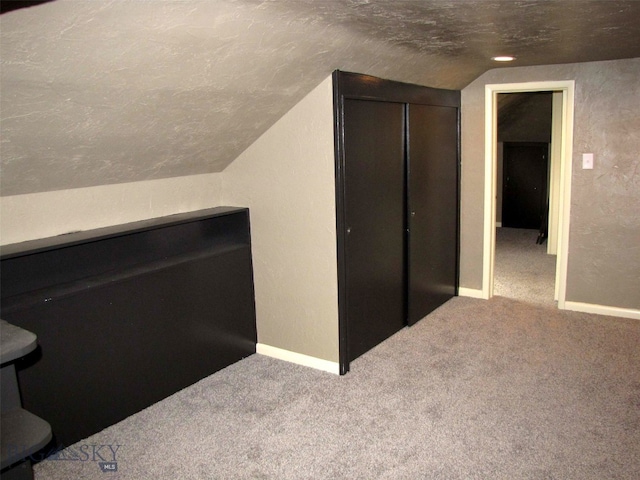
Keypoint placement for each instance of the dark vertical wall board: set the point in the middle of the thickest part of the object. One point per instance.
(374, 220)
(129, 315)
(433, 208)
(369, 223)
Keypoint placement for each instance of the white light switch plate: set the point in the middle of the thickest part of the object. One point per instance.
(587, 161)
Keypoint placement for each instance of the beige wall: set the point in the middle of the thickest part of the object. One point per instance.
(41, 215)
(604, 239)
(286, 178)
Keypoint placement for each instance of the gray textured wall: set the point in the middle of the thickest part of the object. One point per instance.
(604, 239)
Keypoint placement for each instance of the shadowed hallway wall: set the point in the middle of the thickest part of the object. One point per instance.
(524, 117)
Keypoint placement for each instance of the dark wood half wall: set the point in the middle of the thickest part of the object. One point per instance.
(128, 315)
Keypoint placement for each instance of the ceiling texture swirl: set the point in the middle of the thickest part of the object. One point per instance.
(111, 91)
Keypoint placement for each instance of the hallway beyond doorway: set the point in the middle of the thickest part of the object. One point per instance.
(523, 269)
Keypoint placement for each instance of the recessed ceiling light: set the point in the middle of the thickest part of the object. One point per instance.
(503, 58)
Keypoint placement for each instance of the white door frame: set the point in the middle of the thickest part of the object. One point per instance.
(567, 88)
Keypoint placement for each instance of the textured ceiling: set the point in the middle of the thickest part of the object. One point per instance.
(100, 92)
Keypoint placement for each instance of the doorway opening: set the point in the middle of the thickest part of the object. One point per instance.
(524, 270)
(559, 178)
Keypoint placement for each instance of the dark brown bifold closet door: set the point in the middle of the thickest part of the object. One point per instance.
(374, 197)
(433, 210)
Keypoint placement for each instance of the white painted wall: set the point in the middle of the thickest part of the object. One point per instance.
(41, 215)
(287, 180)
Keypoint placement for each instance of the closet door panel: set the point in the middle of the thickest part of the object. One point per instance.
(374, 194)
(433, 208)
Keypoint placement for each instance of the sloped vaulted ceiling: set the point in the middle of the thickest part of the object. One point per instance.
(110, 91)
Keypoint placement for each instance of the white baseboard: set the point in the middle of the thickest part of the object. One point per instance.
(499, 224)
(602, 310)
(298, 358)
(470, 292)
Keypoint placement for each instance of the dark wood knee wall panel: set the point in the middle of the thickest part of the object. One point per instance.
(128, 315)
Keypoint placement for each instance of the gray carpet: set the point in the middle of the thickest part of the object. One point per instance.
(523, 270)
(496, 389)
